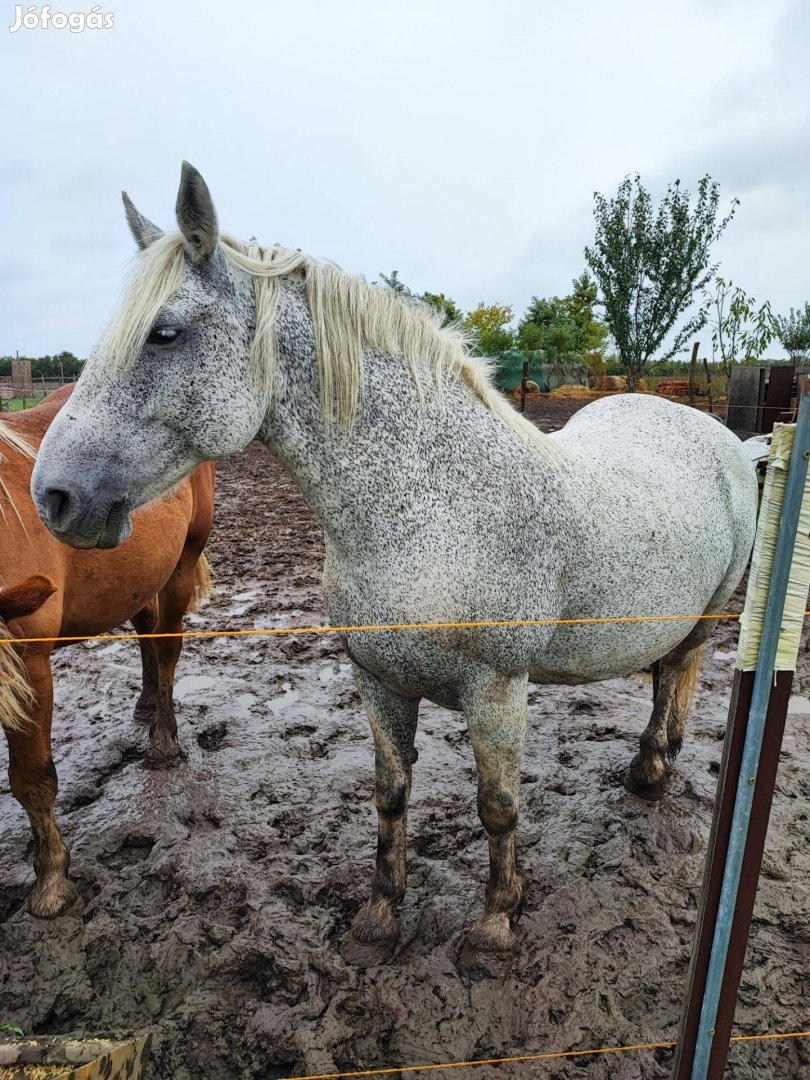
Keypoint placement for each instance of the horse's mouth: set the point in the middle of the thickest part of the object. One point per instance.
(106, 526)
(117, 526)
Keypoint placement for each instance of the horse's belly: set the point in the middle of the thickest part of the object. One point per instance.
(578, 654)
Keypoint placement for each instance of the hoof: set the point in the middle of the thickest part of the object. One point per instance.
(52, 898)
(366, 954)
(491, 948)
(164, 756)
(649, 792)
(647, 777)
(373, 936)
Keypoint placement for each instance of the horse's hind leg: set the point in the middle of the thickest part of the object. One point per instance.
(496, 709)
(393, 722)
(674, 679)
(144, 623)
(34, 784)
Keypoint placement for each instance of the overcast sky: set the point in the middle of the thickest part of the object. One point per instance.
(458, 141)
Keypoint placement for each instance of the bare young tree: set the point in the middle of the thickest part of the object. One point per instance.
(741, 331)
(650, 263)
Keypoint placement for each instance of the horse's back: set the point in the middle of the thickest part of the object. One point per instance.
(650, 433)
(666, 454)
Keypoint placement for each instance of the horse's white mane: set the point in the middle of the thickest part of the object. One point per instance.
(349, 316)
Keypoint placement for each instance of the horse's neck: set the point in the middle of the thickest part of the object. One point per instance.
(409, 458)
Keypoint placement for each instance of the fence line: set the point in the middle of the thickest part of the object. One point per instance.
(271, 631)
(537, 1057)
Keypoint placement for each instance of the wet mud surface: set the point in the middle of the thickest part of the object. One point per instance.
(215, 896)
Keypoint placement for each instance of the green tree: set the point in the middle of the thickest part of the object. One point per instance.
(393, 282)
(650, 263)
(489, 325)
(793, 333)
(564, 328)
(741, 331)
(452, 312)
(592, 333)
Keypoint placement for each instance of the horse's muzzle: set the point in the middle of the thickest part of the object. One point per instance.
(83, 519)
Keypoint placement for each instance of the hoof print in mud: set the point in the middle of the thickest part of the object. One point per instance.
(213, 737)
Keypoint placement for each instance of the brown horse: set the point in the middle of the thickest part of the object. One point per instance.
(57, 591)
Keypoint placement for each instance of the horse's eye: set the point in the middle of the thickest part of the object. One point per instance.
(164, 335)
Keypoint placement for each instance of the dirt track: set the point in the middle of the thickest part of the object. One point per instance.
(215, 896)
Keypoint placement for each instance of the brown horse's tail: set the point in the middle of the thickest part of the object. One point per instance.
(203, 583)
(16, 696)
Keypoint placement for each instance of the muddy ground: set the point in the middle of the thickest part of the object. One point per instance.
(215, 896)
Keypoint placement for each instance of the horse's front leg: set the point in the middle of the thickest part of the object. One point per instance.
(34, 784)
(146, 705)
(496, 709)
(393, 722)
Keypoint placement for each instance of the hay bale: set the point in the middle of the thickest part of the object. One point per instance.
(616, 382)
(574, 393)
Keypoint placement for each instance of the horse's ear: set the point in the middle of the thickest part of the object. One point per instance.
(142, 229)
(196, 215)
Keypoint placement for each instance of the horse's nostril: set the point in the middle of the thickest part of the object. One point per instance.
(57, 504)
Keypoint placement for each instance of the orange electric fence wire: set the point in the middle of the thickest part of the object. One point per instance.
(272, 630)
(536, 1057)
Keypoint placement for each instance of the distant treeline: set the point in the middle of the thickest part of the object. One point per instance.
(64, 364)
(613, 366)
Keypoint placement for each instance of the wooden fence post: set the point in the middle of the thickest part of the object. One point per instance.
(693, 373)
(523, 386)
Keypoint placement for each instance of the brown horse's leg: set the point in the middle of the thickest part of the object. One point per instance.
(144, 623)
(393, 722)
(164, 749)
(496, 713)
(661, 739)
(34, 785)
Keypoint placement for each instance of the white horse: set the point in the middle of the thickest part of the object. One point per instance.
(431, 491)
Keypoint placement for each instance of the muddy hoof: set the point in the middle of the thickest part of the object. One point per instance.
(144, 715)
(649, 792)
(491, 948)
(52, 898)
(164, 757)
(372, 937)
(364, 954)
(478, 965)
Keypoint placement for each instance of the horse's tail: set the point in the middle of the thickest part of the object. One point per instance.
(16, 696)
(684, 692)
(203, 583)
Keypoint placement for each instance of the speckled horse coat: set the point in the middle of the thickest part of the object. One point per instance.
(430, 500)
